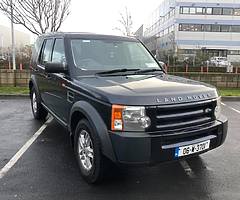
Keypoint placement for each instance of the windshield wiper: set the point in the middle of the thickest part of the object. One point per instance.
(114, 71)
(142, 71)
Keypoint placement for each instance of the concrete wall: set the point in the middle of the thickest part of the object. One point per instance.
(11, 78)
(21, 78)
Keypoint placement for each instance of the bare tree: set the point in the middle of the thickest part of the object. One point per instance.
(125, 22)
(38, 16)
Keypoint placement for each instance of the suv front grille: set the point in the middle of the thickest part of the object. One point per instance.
(181, 116)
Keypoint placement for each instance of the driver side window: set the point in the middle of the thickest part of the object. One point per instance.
(58, 52)
(46, 52)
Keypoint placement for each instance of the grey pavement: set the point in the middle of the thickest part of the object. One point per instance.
(49, 171)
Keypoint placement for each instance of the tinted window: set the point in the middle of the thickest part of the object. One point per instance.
(47, 51)
(58, 52)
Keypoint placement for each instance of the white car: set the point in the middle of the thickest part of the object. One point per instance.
(220, 61)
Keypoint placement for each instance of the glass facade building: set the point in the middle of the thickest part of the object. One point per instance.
(184, 26)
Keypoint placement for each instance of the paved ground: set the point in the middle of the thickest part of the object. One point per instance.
(47, 170)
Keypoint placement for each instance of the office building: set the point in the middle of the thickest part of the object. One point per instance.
(184, 27)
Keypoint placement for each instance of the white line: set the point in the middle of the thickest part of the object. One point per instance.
(24, 148)
(231, 108)
(187, 169)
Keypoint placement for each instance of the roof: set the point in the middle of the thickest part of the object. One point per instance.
(86, 35)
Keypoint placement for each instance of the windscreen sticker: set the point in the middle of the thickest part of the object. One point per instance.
(151, 65)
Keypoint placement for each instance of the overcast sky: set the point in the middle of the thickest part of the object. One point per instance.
(100, 16)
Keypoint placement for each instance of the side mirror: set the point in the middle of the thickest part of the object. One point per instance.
(56, 67)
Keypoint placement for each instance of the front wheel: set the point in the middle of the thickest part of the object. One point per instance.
(91, 162)
(39, 112)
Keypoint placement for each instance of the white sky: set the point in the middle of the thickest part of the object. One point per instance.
(100, 16)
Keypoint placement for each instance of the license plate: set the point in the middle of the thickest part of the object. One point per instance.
(192, 149)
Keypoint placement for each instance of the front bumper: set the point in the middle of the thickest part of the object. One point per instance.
(146, 148)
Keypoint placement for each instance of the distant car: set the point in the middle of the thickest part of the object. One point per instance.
(219, 62)
(162, 64)
(3, 58)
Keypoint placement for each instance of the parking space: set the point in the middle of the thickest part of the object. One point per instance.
(48, 170)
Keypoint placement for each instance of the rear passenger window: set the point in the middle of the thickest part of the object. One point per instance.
(46, 52)
(58, 52)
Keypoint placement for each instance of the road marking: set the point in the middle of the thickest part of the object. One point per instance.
(24, 148)
(231, 108)
(187, 169)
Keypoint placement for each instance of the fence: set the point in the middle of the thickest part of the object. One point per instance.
(222, 80)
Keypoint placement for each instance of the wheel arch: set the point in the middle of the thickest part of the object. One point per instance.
(33, 83)
(83, 110)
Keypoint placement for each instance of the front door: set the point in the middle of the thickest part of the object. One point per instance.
(56, 93)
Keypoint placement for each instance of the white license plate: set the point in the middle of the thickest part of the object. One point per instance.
(191, 149)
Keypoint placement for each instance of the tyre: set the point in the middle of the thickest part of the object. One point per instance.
(39, 112)
(87, 150)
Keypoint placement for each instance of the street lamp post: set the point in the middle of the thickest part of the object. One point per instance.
(2, 45)
(13, 39)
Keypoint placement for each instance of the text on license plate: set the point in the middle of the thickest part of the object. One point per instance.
(191, 149)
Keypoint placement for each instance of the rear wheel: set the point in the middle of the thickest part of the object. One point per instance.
(39, 112)
(91, 162)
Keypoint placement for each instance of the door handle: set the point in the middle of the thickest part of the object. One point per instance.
(36, 70)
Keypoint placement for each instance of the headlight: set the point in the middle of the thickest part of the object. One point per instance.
(217, 111)
(129, 118)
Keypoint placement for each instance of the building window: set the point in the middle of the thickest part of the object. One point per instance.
(199, 11)
(192, 11)
(216, 28)
(217, 11)
(185, 10)
(209, 11)
(237, 11)
(225, 28)
(236, 29)
(197, 27)
(234, 52)
(184, 27)
(227, 11)
(207, 28)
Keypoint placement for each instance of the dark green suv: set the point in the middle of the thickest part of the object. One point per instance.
(119, 105)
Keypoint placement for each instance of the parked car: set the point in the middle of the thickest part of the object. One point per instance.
(220, 61)
(118, 104)
(3, 58)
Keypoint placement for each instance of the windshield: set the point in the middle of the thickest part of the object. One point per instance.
(106, 55)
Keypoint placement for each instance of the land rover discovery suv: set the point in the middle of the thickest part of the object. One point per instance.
(119, 105)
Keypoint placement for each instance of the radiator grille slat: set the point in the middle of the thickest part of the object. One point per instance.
(177, 117)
